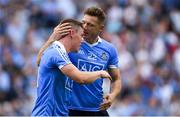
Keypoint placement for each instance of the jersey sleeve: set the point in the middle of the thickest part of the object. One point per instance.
(60, 58)
(113, 60)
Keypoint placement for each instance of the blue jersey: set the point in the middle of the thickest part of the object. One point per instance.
(92, 57)
(54, 88)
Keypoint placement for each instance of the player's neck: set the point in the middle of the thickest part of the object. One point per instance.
(92, 40)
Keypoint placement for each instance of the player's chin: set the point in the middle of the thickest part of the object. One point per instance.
(85, 36)
(76, 50)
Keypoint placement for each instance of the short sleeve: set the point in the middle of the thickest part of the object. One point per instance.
(60, 58)
(113, 61)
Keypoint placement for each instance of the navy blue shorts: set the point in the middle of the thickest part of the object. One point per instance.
(88, 113)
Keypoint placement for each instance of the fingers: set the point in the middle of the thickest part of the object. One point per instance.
(105, 105)
(106, 97)
(61, 30)
(64, 26)
(64, 33)
(105, 74)
(110, 78)
(107, 102)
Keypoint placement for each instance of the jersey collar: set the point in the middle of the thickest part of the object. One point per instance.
(94, 44)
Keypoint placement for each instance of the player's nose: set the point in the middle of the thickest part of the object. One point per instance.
(82, 39)
(85, 26)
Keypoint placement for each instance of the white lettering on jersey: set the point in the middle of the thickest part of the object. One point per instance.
(84, 65)
(92, 56)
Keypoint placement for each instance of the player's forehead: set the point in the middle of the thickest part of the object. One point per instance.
(90, 19)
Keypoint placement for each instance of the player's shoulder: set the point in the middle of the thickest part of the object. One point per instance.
(107, 44)
(56, 48)
(50, 50)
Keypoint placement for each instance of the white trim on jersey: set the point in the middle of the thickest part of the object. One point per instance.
(113, 66)
(61, 51)
(94, 44)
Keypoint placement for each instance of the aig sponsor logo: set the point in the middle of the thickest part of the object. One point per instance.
(89, 66)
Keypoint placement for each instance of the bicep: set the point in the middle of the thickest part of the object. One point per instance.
(115, 73)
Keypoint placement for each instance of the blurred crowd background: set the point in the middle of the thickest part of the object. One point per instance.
(145, 32)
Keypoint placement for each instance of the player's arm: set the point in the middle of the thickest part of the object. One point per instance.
(83, 77)
(115, 89)
(116, 82)
(114, 71)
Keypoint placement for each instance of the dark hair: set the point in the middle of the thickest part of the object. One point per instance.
(97, 12)
(72, 22)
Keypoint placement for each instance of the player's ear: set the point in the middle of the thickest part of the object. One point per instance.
(72, 31)
(101, 27)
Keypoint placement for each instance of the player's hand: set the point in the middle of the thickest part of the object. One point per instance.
(61, 30)
(107, 102)
(105, 74)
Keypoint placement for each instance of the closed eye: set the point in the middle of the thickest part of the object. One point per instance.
(88, 24)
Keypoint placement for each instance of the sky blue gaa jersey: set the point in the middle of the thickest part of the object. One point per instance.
(99, 56)
(54, 88)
